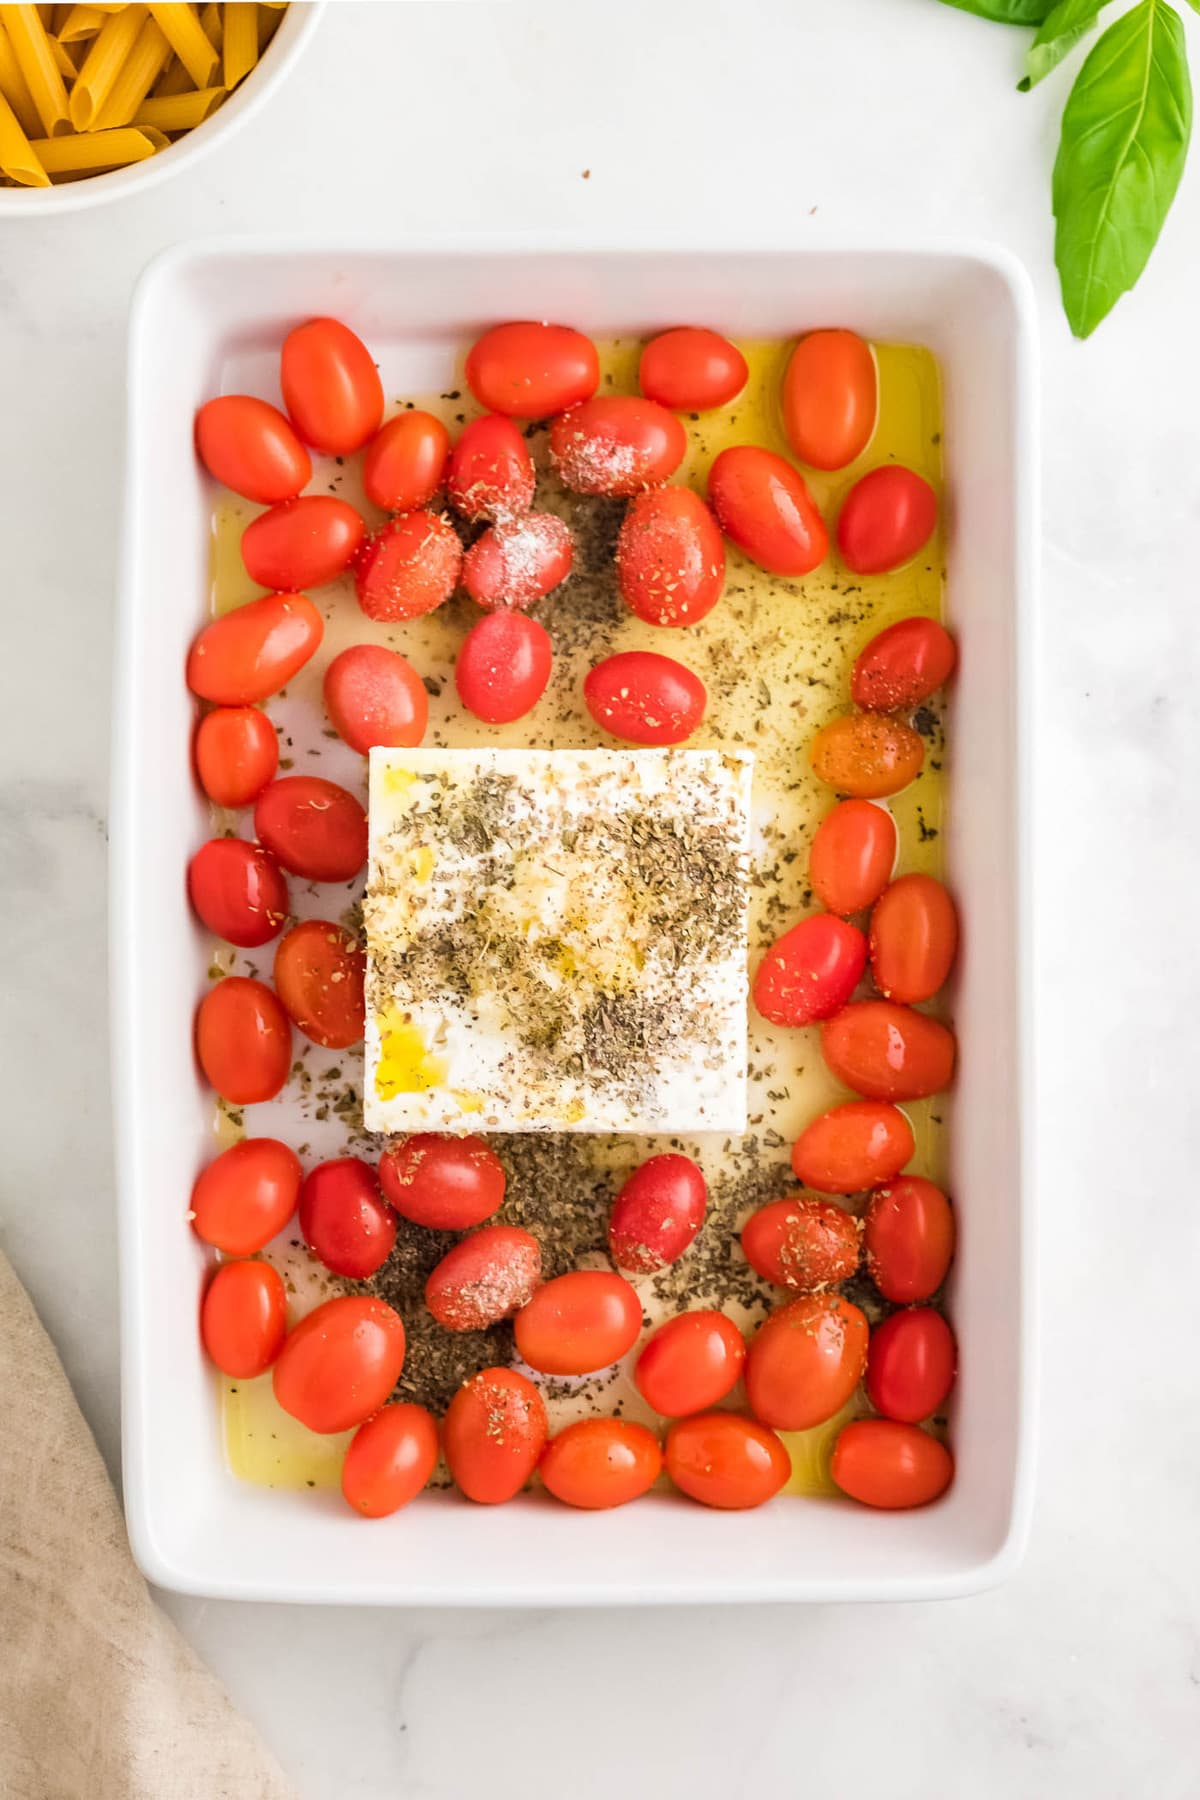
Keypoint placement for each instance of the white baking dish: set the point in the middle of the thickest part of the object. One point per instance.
(194, 1527)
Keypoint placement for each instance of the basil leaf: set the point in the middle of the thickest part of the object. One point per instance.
(1058, 34)
(1009, 12)
(1124, 142)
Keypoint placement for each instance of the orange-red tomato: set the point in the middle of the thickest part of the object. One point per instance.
(882, 1463)
(374, 696)
(616, 444)
(529, 370)
(237, 752)
(867, 755)
(914, 936)
(404, 464)
(810, 971)
(911, 1364)
(886, 518)
(645, 698)
(888, 1052)
(446, 1183)
(344, 1219)
(491, 472)
(690, 1363)
(302, 543)
(340, 1363)
(692, 370)
(331, 387)
(484, 1278)
(237, 890)
(245, 1196)
(319, 974)
(503, 666)
(493, 1434)
(253, 651)
(670, 557)
(390, 1459)
(408, 567)
(830, 398)
(764, 505)
(519, 560)
(805, 1361)
(802, 1243)
(853, 853)
(902, 665)
(657, 1213)
(908, 1234)
(853, 1147)
(598, 1463)
(724, 1460)
(243, 1040)
(579, 1323)
(312, 827)
(252, 448)
(243, 1318)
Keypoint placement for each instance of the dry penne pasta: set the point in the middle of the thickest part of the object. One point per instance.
(86, 151)
(179, 112)
(81, 23)
(240, 49)
(136, 77)
(46, 15)
(184, 32)
(17, 158)
(102, 65)
(268, 25)
(15, 88)
(212, 23)
(31, 46)
(64, 62)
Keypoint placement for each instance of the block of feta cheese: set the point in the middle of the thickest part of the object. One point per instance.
(556, 940)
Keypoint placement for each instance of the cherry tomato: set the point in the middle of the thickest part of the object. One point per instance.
(503, 666)
(867, 755)
(598, 1463)
(657, 1213)
(888, 1052)
(344, 1219)
(331, 387)
(886, 518)
(313, 827)
(805, 1360)
(616, 444)
(405, 462)
(319, 974)
(236, 889)
(519, 561)
(903, 665)
(390, 1459)
(853, 1147)
(724, 1460)
(529, 370)
(914, 935)
(802, 1243)
(246, 1196)
(911, 1365)
(853, 853)
(252, 448)
(692, 370)
(830, 398)
(690, 1363)
(491, 471)
(302, 543)
(408, 567)
(340, 1363)
(243, 1318)
(374, 696)
(645, 698)
(253, 651)
(446, 1183)
(579, 1323)
(670, 558)
(243, 1040)
(810, 971)
(493, 1434)
(908, 1233)
(484, 1278)
(885, 1464)
(764, 505)
(237, 752)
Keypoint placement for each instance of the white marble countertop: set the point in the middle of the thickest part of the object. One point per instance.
(1082, 1675)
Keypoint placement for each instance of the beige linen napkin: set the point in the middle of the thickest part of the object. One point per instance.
(100, 1697)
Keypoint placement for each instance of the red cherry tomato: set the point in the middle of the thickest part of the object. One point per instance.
(690, 1363)
(670, 558)
(830, 398)
(805, 1361)
(243, 1318)
(344, 1219)
(529, 370)
(914, 936)
(302, 543)
(724, 1460)
(484, 1278)
(404, 464)
(579, 1323)
(885, 1464)
(446, 1183)
(503, 667)
(852, 856)
(493, 1434)
(598, 1463)
(253, 651)
(657, 1213)
(867, 755)
(312, 827)
(802, 1243)
(908, 1234)
(246, 1196)
(616, 444)
(236, 889)
(374, 696)
(331, 387)
(409, 567)
(764, 505)
(237, 752)
(319, 974)
(886, 518)
(692, 370)
(390, 1459)
(491, 471)
(888, 1052)
(810, 971)
(243, 1040)
(252, 448)
(340, 1363)
(911, 1365)
(519, 561)
(645, 698)
(903, 665)
(853, 1147)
